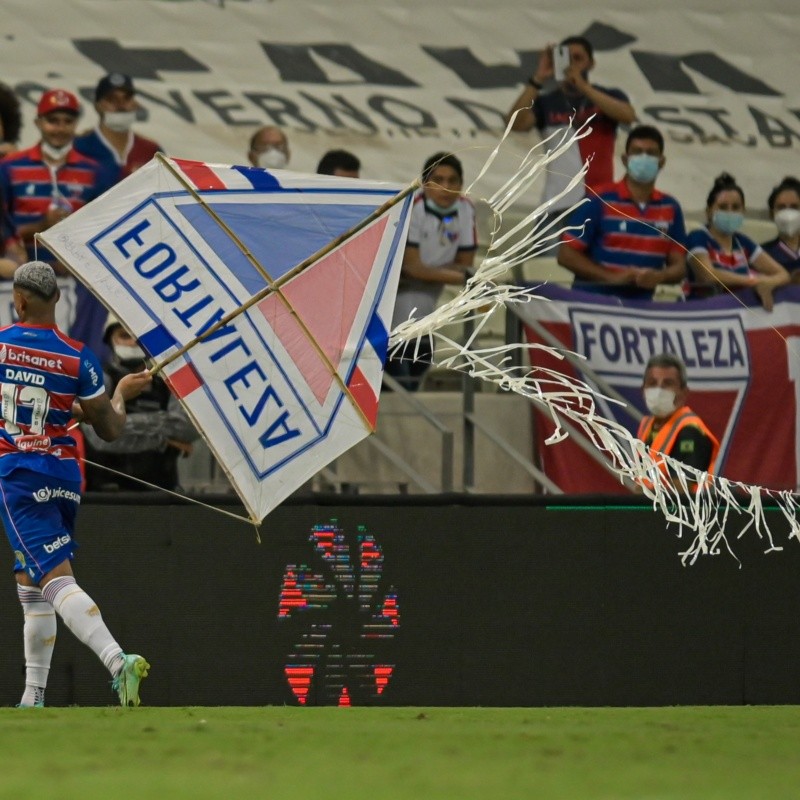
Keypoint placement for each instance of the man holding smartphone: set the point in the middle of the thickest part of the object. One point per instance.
(570, 103)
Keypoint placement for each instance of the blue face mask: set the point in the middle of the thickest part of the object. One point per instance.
(643, 168)
(727, 221)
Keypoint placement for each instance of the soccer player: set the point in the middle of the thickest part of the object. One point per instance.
(45, 377)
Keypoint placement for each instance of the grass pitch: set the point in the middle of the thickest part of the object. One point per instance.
(399, 753)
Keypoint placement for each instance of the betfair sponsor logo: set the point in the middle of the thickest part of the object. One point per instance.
(57, 544)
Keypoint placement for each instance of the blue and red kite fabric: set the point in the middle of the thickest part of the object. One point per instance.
(293, 381)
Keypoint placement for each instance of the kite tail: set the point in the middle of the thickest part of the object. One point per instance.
(691, 499)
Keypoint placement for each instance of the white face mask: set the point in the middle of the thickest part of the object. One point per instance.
(660, 402)
(56, 153)
(788, 221)
(272, 158)
(119, 121)
(128, 352)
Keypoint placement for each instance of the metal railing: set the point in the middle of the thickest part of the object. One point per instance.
(334, 482)
(473, 425)
(432, 420)
(519, 458)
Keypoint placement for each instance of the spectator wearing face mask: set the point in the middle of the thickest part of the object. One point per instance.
(269, 148)
(119, 151)
(672, 427)
(784, 208)
(113, 143)
(723, 259)
(157, 433)
(440, 248)
(628, 237)
(42, 184)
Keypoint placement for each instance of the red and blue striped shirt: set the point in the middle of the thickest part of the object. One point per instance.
(42, 371)
(738, 261)
(619, 233)
(27, 187)
(138, 152)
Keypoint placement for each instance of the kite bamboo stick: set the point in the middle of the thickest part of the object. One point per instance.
(275, 285)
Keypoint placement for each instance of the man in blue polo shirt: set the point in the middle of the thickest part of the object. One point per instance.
(113, 143)
(628, 237)
(120, 151)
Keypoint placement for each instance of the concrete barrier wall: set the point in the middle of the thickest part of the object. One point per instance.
(452, 601)
(418, 444)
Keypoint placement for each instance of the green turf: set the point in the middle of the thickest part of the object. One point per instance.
(376, 753)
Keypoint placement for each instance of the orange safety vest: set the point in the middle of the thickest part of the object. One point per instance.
(665, 438)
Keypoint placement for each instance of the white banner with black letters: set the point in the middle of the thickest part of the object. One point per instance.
(396, 82)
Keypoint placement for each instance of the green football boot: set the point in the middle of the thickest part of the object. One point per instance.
(126, 684)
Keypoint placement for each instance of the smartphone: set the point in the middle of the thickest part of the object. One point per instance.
(560, 61)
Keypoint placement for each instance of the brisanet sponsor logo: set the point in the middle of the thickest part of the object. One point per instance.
(10, 355)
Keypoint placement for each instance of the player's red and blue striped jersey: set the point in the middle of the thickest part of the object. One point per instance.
(27, 187)
(620, 234)
(42, 371)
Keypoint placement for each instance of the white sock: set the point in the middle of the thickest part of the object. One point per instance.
(39, 635)
(82, 616)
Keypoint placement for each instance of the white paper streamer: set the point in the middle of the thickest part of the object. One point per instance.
(704, 510)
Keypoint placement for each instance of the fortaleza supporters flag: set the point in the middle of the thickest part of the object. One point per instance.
(292, 381)
(743, 365)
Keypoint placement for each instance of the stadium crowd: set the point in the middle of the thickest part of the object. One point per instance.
(628, 239)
